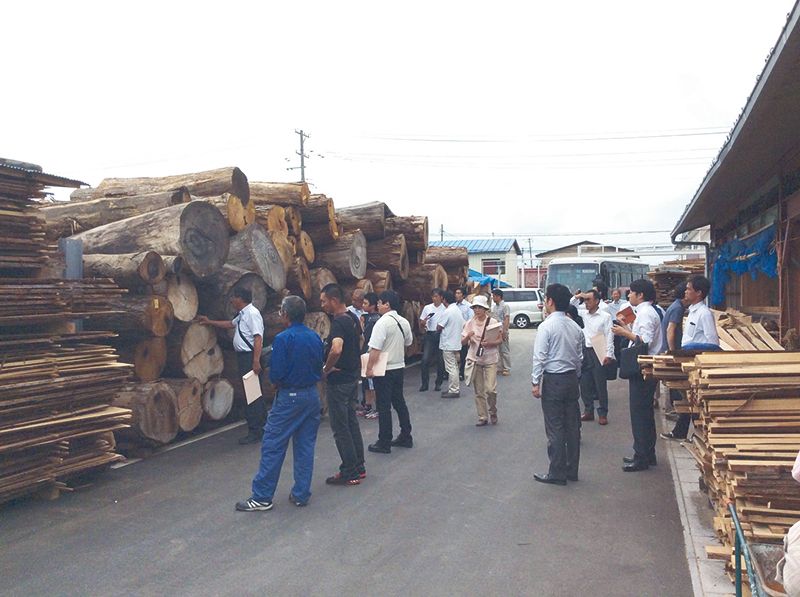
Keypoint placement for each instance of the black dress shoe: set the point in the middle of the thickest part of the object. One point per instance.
(379, 448)
(630, 460)
(403, 442)
(572, 478)
(547, 479)
(423, 388)
(437, 387)
(250, 438)
(635, 467)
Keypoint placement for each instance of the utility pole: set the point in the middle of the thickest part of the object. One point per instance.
(530, 259)
(302, 155)
(441, 232)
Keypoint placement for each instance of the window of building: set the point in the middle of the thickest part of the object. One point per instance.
(493, 267)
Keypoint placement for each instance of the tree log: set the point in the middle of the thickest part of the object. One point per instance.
(196, 230)
(150, 314)
(273, 218)
(215, 292)
(322, 234)
(457, 276)
(217, 399)
(320, 278)
(416, 257)
(414, 228)
(319, 210)
(421, 281)
(280, 193)
(294, 220)
(153, 406)
(172, 263)
(181, 293)
(192, 351)
(253, 250)
(319, 322)
(346, 258)
(370, 218)
(365, 285)
(68, 218)
(447, 257)
(273, 325)
(284, 248)
(305, 247)
(211, 183)
(381, 279)
(129, 270)
(238, 214)
(390, 254)
(148, 356)
(298, 279)
(188, 402)
(293, 244)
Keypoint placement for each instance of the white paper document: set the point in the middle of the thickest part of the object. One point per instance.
(600, 347)
(379, 370)
(252, 387)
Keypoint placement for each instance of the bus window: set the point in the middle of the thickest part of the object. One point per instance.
(575, 276)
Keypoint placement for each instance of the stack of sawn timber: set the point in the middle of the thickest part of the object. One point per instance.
(56, 384)
(197, 237)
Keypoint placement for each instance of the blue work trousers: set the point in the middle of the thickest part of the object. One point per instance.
(295, 415)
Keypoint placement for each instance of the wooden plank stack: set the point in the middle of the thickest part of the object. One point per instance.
(182, 244)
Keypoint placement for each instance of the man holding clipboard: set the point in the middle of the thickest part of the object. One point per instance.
(597, 353)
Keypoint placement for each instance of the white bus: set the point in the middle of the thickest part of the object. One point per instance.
(579, 273)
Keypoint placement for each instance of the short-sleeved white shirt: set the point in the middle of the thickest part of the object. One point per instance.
(430, 323)
(452, 323)
(251, 324)
(386, 337)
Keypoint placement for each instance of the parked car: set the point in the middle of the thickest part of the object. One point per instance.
(526, 304)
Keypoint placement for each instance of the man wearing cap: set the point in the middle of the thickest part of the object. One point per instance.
(484, 373)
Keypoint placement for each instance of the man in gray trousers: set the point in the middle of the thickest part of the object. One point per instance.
(557, 360)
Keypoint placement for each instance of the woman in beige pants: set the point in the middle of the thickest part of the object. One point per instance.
(484, 375)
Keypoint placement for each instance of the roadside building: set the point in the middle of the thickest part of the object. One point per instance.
(496, 257)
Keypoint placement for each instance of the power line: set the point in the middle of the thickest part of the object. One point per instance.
(547, 234)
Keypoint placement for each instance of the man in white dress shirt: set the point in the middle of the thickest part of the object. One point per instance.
(647, 329)
(467, 313)
(593, 375)
(431, 355)
(450, 326)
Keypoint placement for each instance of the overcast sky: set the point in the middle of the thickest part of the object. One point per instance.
(512, 118)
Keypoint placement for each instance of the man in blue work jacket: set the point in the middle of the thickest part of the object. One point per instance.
(295, 369)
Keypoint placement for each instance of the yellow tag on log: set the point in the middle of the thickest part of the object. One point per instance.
(155, 303)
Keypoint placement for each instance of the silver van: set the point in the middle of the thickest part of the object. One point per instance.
(526, 304)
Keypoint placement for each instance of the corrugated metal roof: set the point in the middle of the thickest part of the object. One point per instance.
(33, 173)
(480, 245)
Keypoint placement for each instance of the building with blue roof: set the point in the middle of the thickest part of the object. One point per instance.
(496, 257)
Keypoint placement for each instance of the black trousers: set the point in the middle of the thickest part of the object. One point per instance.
(593, 383)
(643, 421)
(342, 401)
(388, 395)
(432, 357)
(463, 361)
(255, 412)
(562, 423)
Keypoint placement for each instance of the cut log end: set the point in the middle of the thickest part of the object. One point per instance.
(149, 358)
(204, 238)
(217, 399)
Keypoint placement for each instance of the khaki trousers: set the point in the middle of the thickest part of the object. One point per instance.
(505, 356)
(451, 366)
(484, 382)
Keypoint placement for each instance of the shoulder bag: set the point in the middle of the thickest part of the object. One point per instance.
(266, 351)
(629, 360)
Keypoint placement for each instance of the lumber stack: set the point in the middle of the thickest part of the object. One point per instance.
(665, 279)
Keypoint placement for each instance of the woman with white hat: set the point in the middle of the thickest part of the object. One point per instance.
(483, 335)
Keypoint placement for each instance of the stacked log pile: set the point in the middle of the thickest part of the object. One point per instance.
(665, 279)
(182, 244)
(455, 262)
(746, 433)
(56, 383)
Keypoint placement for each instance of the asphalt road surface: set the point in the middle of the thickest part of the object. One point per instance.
(459, 514)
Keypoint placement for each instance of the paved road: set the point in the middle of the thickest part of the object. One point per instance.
(459, 514)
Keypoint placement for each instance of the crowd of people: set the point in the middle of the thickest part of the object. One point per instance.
(582, 343)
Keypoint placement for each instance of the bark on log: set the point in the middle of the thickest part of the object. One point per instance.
(148, 356)
(68, 218)
(298, 279)
(457, 276)
(319, 210)
(414, 228)
(153, 406)
(305, 247)
(346, 258)
(238, 214)
(196, 230)
(188, 402)
(364, 285)
(280, 193)
(273, 325)
(293, 244)
(253, 250)
(381, 279)
(447, 257)
(173, 263)
(192, 351)
(217, 399)
(210, 183)
(322, 234)
(421, 281)
(319, 322)
(150, 314)
(390, 253)
(128, 270)
(415, 257)
(273, 218)
(294, 220)
(370, 218)
(215, 292)
(284, 248)
(181, 293)
(320, 278)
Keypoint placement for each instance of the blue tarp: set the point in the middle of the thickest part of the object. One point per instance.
(482, 279)
(754, 255)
